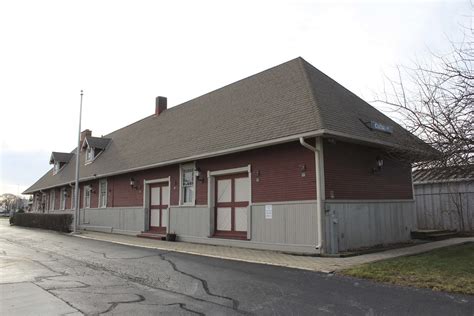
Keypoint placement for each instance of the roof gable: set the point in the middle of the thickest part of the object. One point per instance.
(96, 142)
(60, 157)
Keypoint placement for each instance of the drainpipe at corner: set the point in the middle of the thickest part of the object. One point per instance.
(319, 164)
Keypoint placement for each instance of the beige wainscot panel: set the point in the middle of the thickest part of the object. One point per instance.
(356, 224)
(189, 221)
(289, 224)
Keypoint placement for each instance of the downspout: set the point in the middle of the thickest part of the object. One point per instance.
(319, 185)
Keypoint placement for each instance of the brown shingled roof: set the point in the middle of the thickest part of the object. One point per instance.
(279, 104)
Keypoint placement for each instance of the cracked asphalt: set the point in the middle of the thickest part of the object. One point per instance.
(95, 277)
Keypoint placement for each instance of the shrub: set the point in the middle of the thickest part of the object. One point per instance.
(58, 222)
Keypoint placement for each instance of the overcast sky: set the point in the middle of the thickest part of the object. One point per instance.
(125, 53)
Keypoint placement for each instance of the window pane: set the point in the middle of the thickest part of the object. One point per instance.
(73, 197)
(103, 193)
(188, 194)
(187, 185)
(188, 177)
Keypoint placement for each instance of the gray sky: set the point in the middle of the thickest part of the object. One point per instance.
(125, 53)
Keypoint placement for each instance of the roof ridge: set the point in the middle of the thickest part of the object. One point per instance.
(234, 82)
(317, 116)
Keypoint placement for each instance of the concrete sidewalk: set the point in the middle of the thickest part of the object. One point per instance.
(321, 264)
(29, 299)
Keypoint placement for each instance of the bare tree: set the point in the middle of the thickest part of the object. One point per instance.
(434, 101)
(10, 201)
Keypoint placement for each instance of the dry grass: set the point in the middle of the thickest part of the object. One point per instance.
(448, 269)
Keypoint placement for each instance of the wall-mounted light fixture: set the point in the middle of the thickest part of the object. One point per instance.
(198, 174)
(303, 170)
(257, 176)
(133, 184)
(378, 164)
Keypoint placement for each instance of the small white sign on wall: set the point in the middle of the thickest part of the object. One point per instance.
(268, 211)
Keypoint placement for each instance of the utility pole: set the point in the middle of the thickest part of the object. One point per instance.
(76, 187)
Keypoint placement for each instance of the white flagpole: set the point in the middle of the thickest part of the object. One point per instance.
(76, 187)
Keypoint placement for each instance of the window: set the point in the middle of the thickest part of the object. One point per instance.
(57, 166)
(73, 197)
(62, 201)
(43, 202)
(103, 193)
(52, 198)
(187, 184)
(89, 154)
(87, 196)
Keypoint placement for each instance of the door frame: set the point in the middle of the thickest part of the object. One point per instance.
(146, 201)
(211, 185)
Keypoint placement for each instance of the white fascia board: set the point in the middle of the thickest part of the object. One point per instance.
(276, 141)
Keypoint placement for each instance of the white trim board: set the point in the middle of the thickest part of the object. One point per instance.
(229, 171)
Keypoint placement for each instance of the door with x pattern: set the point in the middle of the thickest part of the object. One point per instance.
(232, 196)
(159, 203)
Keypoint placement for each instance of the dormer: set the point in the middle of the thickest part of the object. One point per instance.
(59, 160)
(93, 147)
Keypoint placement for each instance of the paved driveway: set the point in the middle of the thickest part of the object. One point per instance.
(95, 277)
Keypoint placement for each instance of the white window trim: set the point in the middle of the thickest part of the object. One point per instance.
(100, 193)
(92, 149)
(73, 196)
(52, 199)
(87, 188)
(181, 167)
(56, 170)
(62, 199)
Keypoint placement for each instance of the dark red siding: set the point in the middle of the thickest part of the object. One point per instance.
(348, 173)
(279, 168)
(121, 194)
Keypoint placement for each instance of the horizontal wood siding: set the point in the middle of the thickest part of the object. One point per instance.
(279, 168)
(348, 174)
(189, 221)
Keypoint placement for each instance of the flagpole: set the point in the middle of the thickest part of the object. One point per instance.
(76, 187)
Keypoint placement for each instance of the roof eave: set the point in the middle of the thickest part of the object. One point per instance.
(316, 133)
